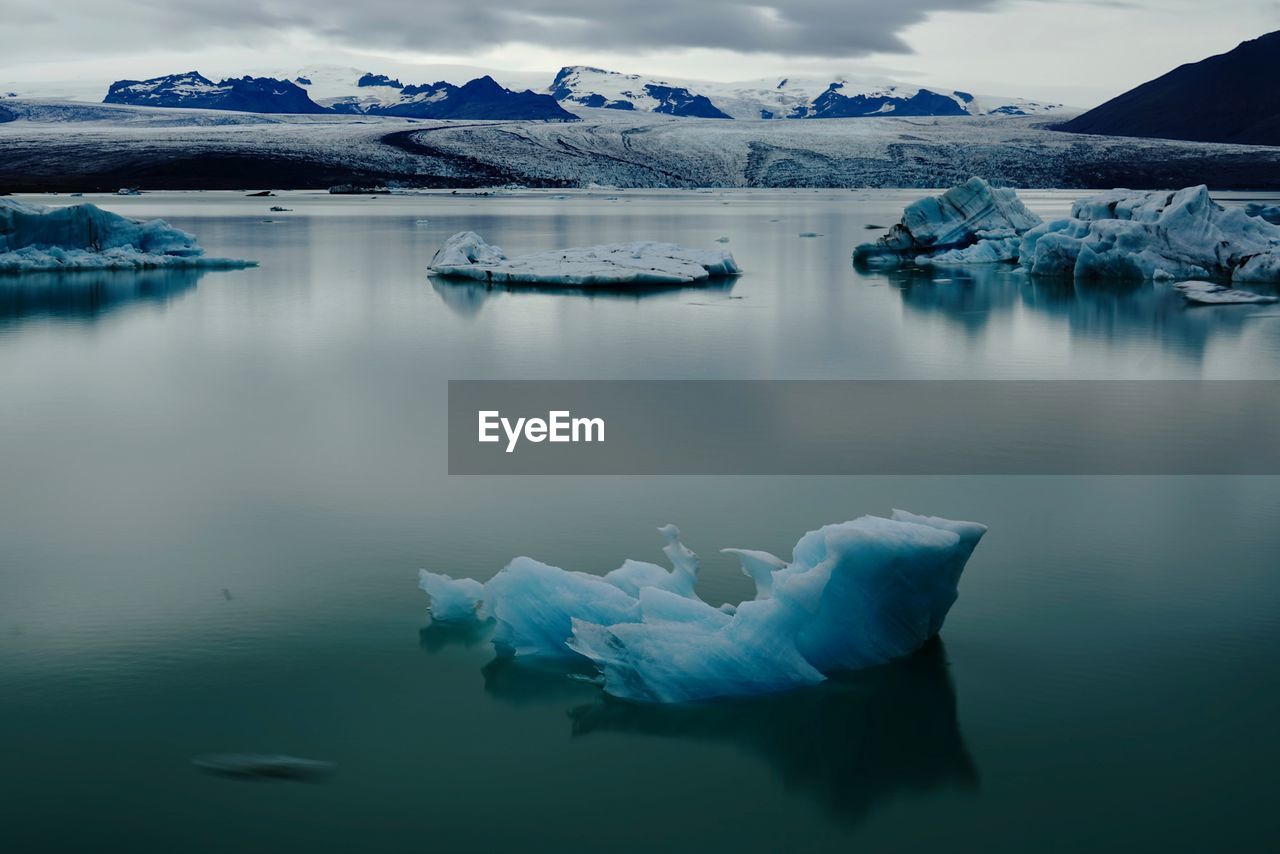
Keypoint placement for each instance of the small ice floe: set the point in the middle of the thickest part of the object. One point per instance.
(1211, 293)
(722, 240)
(278, 209)
(1270, 213)
(260, 194)
(86, 237)
(256, 766)
(853, 595)
(971, 223)
(466, 255)
(809, 234)
(128, 191)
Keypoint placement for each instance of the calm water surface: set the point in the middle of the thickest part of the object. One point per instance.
(216, 490)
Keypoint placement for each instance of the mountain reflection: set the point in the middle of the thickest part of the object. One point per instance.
(466, 297)
(88, 295)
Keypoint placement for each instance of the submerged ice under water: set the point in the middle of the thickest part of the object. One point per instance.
(853, 595)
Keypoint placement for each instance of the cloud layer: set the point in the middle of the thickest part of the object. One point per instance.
(817, 28)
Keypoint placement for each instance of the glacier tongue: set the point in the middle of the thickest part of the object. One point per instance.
(466, 255)
(854, 594)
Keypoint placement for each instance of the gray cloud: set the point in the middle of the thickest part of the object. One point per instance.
(817, 28)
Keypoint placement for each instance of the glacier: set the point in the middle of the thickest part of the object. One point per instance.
(853, 595)
(86, 237)
(1119, 234)
(646, 263)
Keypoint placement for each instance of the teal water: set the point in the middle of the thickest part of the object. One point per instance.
(216, 490)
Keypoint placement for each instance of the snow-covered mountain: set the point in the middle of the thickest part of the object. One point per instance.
(482, 98)
(353, 90)
(194, 90)
(377, 92)
(347, 91)
(595, 87)
(779, 98)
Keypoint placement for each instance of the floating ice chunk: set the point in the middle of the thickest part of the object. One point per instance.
(1183, 234)
(1209, 293)
(853, 595)
(466, 255)
(255, 766)
(958, 221)
(453, 600)
(86, 237)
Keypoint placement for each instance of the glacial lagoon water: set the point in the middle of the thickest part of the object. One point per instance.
(216, 490)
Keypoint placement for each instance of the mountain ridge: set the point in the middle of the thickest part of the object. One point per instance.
(481, 98)
(1223, 98)
(362, 91)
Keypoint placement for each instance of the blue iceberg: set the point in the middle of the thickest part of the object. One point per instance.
(853, 595)
(38, 238)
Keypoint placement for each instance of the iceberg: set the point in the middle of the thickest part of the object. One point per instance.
(467, 255)
(971, 223)
(1165, 235)
(1120, 234)
(1210, 293)
(853, 595)
(86, 237)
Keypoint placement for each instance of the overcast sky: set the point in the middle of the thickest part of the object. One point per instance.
(1077, 51)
